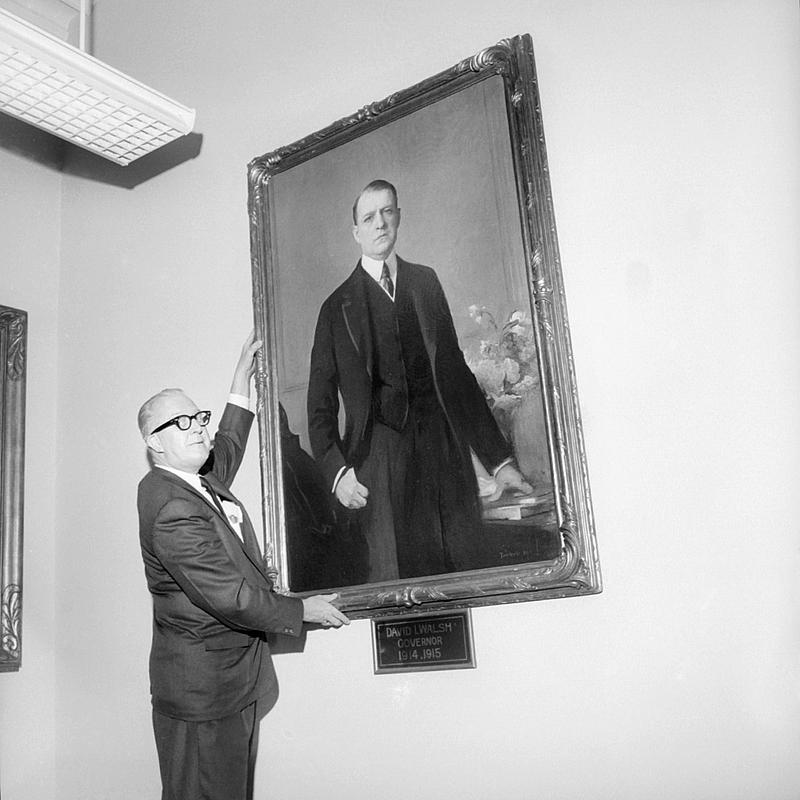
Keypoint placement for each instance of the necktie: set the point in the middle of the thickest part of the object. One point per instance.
(248, 538)
(386, 281)
(213, 495)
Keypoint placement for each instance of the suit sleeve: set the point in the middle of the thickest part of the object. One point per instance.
(188, 547)
(230, 442)
(323, 401)
(462, 396)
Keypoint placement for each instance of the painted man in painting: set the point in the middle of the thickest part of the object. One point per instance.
(414, 415)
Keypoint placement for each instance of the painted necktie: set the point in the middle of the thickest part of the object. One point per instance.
(386, 281)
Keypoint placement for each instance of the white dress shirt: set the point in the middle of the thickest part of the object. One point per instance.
(374, 269)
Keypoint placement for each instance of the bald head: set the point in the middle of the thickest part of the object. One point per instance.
(185, 450)
(150, 414)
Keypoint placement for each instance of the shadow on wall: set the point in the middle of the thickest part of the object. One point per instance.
(25, 140)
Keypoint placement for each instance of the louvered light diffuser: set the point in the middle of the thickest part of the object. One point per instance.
(65, 91)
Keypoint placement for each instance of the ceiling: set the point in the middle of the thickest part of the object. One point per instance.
(59, 18)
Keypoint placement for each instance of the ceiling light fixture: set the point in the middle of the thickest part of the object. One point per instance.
(63, 90)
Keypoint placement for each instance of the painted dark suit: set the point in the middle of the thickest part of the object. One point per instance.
(426, 406)
(212, 598)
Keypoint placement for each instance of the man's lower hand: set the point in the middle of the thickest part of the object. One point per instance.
(509, 478)
(320, 609)
(349, 492)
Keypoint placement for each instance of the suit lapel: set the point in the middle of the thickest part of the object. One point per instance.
(427, 324)
(224, 493)
(354, 313)
(250, 543)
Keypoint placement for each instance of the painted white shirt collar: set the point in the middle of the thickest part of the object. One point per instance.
(374, 268)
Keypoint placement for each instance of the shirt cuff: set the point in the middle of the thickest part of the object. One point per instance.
(501, 465)
(239, 400)
(338, 478)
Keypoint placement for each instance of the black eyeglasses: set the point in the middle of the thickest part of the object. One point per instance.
(184, 421)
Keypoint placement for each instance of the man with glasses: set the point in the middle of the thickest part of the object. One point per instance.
(211, 673)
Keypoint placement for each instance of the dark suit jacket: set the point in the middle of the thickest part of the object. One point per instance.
(342, 361)
(212, 602)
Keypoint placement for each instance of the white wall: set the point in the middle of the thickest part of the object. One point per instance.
(30, 200)
(671, 131)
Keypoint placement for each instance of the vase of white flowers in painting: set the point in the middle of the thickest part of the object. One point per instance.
(504, 362)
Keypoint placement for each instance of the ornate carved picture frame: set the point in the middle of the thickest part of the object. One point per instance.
(465, 151)
(13, 335)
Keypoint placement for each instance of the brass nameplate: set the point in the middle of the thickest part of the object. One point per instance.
(432, 641)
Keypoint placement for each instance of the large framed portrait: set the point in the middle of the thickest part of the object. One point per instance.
(13, 334)
(420, 436)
